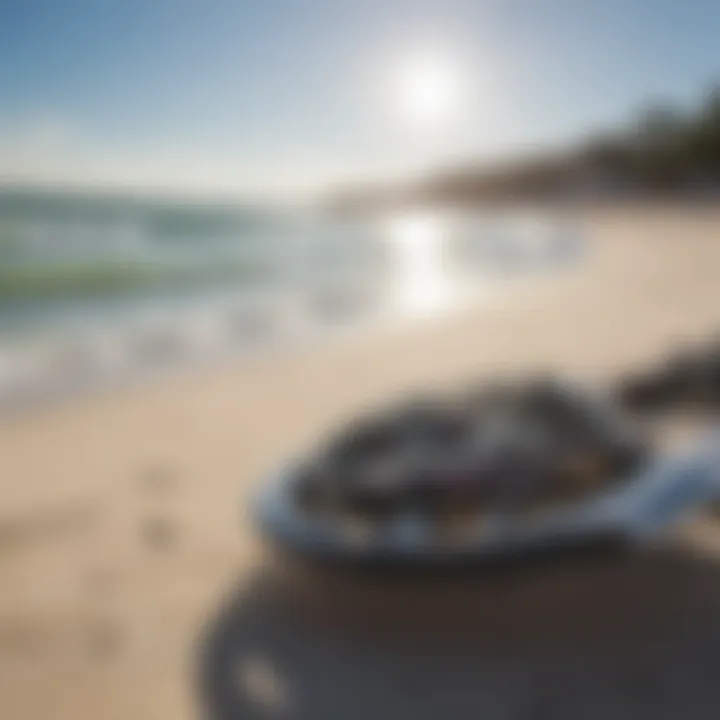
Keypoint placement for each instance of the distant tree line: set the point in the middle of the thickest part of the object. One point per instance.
(665, 151)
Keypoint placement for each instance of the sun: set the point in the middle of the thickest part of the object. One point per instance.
(426, 92)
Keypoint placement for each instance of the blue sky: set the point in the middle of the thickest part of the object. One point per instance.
(287, 95)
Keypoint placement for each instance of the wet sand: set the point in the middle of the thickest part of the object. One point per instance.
(133, 587)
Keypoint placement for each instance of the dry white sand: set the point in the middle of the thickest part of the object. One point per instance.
(123, 536)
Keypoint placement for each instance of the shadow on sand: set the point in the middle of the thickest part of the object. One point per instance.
(631, 636)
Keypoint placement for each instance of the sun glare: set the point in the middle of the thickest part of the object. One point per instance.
(427, 91)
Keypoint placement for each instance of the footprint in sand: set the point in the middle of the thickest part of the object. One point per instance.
(19, 638)
(104, 638)
(159, 532)
(101, 582)
(159, 479)
(48, 524)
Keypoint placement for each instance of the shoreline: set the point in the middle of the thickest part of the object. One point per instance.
(86, 355)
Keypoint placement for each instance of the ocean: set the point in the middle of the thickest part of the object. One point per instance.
(98, 288)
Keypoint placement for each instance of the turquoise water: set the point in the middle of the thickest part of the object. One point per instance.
(93, 288)
(67, 255)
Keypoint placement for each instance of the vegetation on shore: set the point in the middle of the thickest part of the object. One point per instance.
(665, 150)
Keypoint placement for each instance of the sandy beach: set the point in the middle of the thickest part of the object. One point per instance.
(134, 589)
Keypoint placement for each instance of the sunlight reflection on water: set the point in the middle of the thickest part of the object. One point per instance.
(423, 284)
(442, 260)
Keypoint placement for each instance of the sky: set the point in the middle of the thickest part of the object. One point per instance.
(287, 97)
